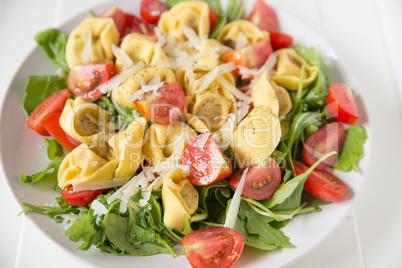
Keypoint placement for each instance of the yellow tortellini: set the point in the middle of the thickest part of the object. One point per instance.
(85, 164)
(140, 47)
(179, 200)
(288, 70)
(229, 34)
(84, 121)
(126, 146)
(103, 34)
(208, 110)
(256, 137)
(210, 61)
(285, 102)
(192, 14)
(123, 92)
(163, 141)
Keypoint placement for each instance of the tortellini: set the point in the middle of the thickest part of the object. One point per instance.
(123, 92)
(126, 146)
(288, 70)
(85, 164)
(208, 110)
(179, 200)
(103, 34)
(84, 121)
(214, 59)
(192, 14)
(162, 141)
(229, 34)
(256, 137)
(140, 47)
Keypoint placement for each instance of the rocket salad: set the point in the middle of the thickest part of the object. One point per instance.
(188, 125)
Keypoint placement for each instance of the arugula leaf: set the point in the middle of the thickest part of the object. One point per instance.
(81, 230)
(209, 202)
(40, 87)
(54, 149)
(222, 20)
(235, 10)
(53, 44)
(126, 114)
(171, 3)
(50, 212)
(352, 150)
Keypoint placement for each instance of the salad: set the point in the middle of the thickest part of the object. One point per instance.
(188, 125)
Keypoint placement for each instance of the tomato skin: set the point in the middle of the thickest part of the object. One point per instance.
(119, 18)
(53, 103)
(261, 182)
(322, 184)
(213, 247)
(264, 17)
(280, 40)
(158, 106)
(84, 80)
(341, 104)
(253, 56)
(51, 123)
(327, 139)
(213, 19)
(137, 25)
(149, 7)
(81, 198)
(206, 160)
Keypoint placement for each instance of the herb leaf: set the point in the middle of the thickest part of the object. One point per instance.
(352, 150)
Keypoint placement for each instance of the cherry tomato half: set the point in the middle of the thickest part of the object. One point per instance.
(261, 182)
(322, 184)
(51, 123)
(84, 80)
(325, 140)
(164, 106)
(138, 25)
(53, 103)
(280, 40)
(213, 19)
(206, 160)
(264, 17)
(253, 56)
(81, 198)
(341, 104)
(119, 18)
(151, 10)
(214, 247)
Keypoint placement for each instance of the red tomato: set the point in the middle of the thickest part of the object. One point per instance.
(213, 247)
(81, 198)
(264, 17)
(322, 184)
(151, 10)
(51, 123)
(119, 18)
(341, 104)
(163, 107)
(253, 56)
(261, 182)
(213, 19)
(137, 25)
(206, 160)
(53, 103)
(84, 80)
(325, 140)
(280, 40)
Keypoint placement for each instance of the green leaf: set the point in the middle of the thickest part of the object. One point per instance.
(126, 114)
(54, 149)
(171, 3)
(54, 164)
(50, 212)
(235, 10)
(81, 230)
(352, 150)
(40, 87)
(222, 20)
(53, 44)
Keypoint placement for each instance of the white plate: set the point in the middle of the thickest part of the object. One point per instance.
(22, 151)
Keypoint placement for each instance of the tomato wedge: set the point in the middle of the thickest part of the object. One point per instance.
(151, 10)
(137, 25)
(213, 19)
(119, 18)
(261, 182)
(280, 40)
(341, 104)
(84, 80)
(81, 198)
(322, 184)
(164, 106)
(51, 123)
(253, 56)
(53, 103)
(206, 160)
(264, 17)
(214, 247)
(325, 140)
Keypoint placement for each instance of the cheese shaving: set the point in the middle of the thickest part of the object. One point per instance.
(192, 37)
(241, 41)
(122, 57)
(86, 53)
(98, 207)
(235, 91)
(152, 85)
(100, 184)
(224, 134)
(242, 111)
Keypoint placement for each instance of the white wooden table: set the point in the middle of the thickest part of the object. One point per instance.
(367, 35)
